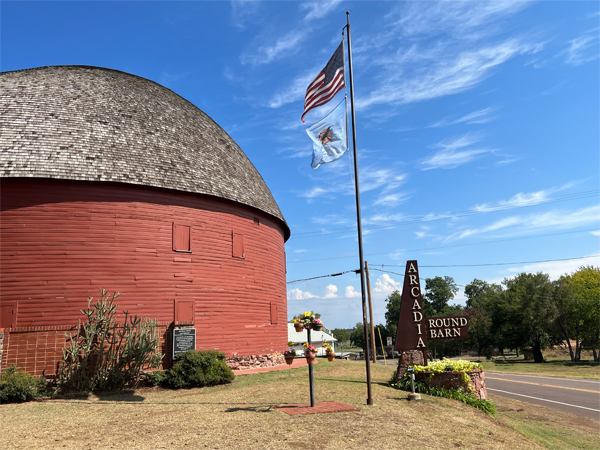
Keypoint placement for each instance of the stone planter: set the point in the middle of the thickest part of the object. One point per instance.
(453, 380)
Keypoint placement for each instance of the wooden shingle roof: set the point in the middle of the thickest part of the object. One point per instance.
(96, 124)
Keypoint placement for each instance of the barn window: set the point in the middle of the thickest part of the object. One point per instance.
(274, 314)
(184, 312)
(238, 245)
(8, 315)
(181, 238)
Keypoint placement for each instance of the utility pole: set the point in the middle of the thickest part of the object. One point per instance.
(373, 344)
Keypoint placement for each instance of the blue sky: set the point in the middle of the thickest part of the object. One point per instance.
(477, 124)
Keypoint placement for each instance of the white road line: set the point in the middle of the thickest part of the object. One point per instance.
(537, 376)
(544, 400)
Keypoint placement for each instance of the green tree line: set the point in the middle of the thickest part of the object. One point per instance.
(527, 311)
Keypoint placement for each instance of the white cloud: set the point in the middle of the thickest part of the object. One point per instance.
(443, 75)
(596, 233)
(351, 293)
(298, 294)
(582, 49)
(386, 285)
(476, 117)
(317, 10)
(451, 18)
(392, 199)
(283, 47)
(526, 223)
(242, 11)
(330, 291)
(450, 156)
(555, 269)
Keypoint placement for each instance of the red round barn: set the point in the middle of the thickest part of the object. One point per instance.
(112, 181)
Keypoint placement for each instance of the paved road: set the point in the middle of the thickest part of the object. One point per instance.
(575, 396)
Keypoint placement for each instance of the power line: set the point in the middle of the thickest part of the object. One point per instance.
(452, 265)
(465, 213)
(449, 246)
(325, 276)
(495, 264)
(523, 295)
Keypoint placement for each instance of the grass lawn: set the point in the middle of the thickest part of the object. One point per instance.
(240, 416)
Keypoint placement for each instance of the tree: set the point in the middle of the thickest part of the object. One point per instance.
(392, 313)
(341, 334)
(439, 291)
(381, 335)
(357, 336)
(577, 300)
(532, 311)
(481, 297)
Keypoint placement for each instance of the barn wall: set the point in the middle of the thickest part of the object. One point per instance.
(61, 241)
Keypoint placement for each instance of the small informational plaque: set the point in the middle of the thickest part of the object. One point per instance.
(184, 339)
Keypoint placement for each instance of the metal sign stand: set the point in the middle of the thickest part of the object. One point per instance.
(311, 377)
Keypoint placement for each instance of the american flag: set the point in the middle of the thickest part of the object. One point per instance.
(328, 83)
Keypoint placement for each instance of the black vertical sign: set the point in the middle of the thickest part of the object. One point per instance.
(411, 333)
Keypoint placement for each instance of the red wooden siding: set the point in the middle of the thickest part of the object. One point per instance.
(63, 240)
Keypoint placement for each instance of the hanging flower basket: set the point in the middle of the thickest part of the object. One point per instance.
(310, 359)
(317, 327)
(299, 327)
(330, 356)
(289, 359)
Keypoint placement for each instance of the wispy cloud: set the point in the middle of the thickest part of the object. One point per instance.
(582, 49)
(526, 223)
(243, 11)
(452, 18)
(444, 76)
(523, 199)
(596, 233)
(318, 10)
(394, 199)
(556, 269)
(450, 154)
(284, 46)
(476, 117)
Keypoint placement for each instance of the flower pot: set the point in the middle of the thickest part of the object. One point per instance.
(330, 356)
(299, 328)
(317, 327)
(310, 359)
(289, 359)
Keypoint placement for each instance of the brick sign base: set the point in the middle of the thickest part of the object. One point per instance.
(453, 380)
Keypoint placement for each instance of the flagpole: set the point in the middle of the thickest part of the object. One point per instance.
(360, 243)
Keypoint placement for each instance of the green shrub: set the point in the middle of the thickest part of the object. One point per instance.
(105, 355)
(199, 368)
(155, 378)
(19, 386)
